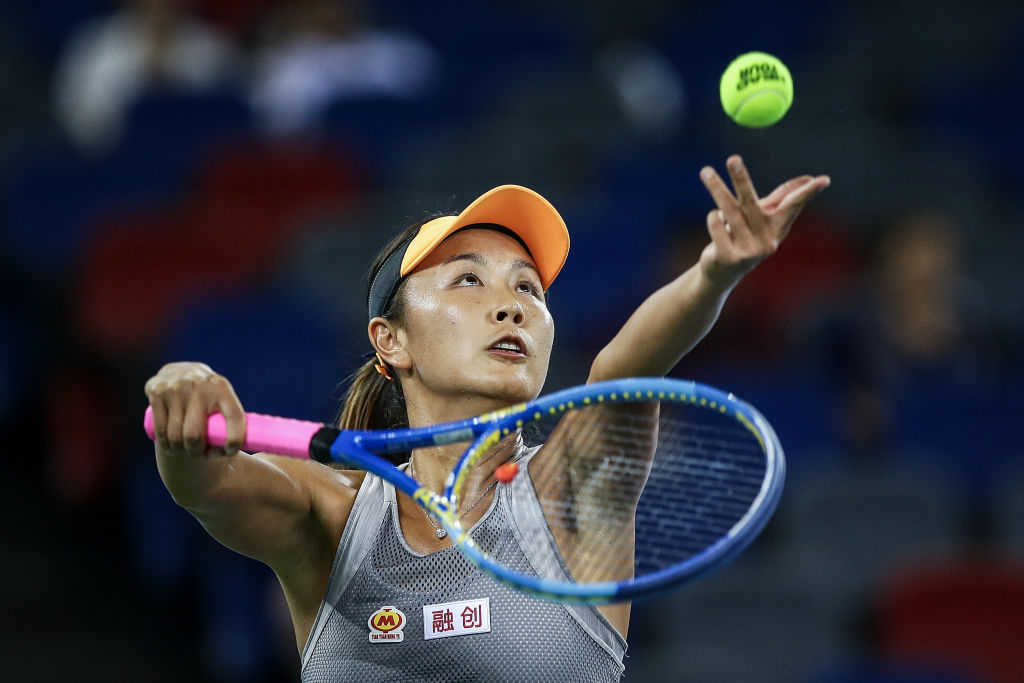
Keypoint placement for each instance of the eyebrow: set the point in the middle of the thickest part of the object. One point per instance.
(481, 261)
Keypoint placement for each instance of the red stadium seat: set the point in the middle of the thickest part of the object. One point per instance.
(291, 177)
(239, 17)
(256, 195)
(140, 269)
(967, 615)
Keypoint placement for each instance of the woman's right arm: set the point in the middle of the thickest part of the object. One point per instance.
(285, 512)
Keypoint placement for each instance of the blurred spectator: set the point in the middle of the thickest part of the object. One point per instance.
(649, 88)
(914, 354)
(919, 280)
(147, 45)
(317, 52)
(909, 322)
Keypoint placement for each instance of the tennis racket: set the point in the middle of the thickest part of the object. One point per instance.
(624, 488)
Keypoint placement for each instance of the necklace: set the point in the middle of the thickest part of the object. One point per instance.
(441, 533)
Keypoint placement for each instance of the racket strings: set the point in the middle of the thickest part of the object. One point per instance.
(631, 489)
(708, 473)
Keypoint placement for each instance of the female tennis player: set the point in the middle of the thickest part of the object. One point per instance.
(459, 326)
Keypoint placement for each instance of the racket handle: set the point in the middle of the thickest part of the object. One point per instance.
(263, 433)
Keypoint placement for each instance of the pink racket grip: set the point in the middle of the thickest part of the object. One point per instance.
(263, 433)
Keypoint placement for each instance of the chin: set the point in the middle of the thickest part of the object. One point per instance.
(510, 390)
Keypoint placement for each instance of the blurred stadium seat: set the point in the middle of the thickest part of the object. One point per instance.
(238, 17)
(1007, 509)
(178, 125)
(48, 26)
(930, 419)
(380, 129)
(844, 531)
(327, 265)
(663, 180)
(249, 202)
(278, 350)
(286, 177)
(484, 39)
(54, 202)
(967, 614)
(867, 670)
(697, 660)
(138, 270)
(756, 609)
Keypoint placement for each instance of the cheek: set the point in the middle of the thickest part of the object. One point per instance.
(438, 328)
(453, 320)
(546, 327)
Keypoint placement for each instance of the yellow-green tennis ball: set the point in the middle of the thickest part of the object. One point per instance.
(756, 90)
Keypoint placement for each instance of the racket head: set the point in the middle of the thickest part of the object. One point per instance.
(683, 489)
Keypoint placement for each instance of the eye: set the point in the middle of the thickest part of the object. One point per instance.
(467, 279)
(529, 288)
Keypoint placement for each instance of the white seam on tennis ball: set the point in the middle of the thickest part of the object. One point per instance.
(751, 96)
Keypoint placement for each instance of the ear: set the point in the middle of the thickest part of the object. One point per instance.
(386, 340)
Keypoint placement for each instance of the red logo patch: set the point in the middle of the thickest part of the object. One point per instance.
(386, 625)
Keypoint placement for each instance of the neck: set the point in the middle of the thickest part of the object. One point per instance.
(431, 466)
(425, 409)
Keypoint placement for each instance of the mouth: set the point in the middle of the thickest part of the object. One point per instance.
(509, 346)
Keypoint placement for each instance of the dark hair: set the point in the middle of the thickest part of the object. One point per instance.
(372, 401)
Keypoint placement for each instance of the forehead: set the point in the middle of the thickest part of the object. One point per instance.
(495, 247)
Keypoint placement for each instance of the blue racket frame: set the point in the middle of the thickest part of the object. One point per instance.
(357, 450)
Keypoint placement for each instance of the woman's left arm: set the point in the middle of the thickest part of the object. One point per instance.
(744, 231)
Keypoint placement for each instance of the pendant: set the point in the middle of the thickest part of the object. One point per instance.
(441, 533)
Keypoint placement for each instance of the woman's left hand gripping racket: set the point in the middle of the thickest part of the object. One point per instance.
(626, 487)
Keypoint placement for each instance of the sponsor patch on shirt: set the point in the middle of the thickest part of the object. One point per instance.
(457, 618)
(386, 625)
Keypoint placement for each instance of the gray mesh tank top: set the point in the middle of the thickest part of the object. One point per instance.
(530, 639)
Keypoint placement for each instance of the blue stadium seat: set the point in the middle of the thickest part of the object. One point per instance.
(53, 202)
(171, 129)
(930, 421)
(668, 181)
(279, 352)
(379, 129)
(870, 671)
(49, 25)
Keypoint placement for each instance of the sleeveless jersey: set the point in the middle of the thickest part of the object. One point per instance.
(377, 576)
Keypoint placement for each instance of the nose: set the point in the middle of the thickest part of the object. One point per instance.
(509, 310)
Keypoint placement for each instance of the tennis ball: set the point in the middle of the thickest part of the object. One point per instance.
(756, 90)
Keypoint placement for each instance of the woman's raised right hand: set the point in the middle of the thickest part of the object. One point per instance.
(183, 395)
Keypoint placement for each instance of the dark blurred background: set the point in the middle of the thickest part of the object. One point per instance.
(208, 180)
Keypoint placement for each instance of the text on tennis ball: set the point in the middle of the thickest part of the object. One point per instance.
(755, 73)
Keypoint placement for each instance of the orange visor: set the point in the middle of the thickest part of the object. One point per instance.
(517, 208)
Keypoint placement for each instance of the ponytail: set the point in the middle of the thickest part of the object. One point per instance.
(373, 402)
